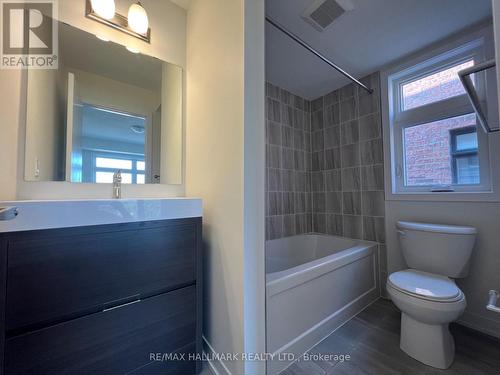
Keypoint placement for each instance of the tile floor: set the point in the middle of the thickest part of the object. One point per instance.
(372, 341)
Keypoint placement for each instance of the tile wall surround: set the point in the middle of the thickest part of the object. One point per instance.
(288, 164)
(325, 171)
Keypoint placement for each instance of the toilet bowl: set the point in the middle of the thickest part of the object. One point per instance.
(426, 293)
(428, 304)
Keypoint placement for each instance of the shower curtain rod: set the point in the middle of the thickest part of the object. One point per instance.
(313, 51)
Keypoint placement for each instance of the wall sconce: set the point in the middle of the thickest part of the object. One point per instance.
(136, 25)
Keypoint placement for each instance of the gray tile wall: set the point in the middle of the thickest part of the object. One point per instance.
(347, 176)
(288, 164)
(325, 170)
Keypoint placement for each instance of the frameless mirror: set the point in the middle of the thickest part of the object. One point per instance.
(104, 109)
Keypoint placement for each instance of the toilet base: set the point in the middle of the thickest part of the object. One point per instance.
(432, 345)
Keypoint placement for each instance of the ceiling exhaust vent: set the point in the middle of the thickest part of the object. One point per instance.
(322, 13)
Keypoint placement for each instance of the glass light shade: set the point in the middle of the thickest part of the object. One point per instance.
(104, 8)
(138, 18)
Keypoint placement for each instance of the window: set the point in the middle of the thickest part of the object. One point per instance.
(104, 165)
(434, 87)
(428, 151)
(434, 142)
(465, 159)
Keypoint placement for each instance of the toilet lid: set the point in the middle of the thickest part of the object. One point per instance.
(425, 285)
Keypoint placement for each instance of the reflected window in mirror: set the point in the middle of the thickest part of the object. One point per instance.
(102, 166)
(110, 141)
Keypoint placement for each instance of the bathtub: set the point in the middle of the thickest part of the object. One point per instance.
(314, 284)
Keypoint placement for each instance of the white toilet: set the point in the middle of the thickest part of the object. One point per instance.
(426, 293)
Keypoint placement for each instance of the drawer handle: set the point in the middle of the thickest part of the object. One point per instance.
(122, 305)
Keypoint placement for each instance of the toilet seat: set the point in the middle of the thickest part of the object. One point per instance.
(425, 286)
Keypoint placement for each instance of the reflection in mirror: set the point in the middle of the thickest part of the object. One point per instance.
(112, 140)
(105, 109)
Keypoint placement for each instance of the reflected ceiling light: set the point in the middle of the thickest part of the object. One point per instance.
(132, 49)
(137, 129)
(103, 38)
(138, 18)
(104, 8)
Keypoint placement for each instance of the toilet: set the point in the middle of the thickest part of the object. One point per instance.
(426, 292)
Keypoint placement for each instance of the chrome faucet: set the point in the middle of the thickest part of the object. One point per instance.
(117, 184)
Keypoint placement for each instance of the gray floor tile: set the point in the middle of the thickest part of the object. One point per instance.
(334, 344)
(304, 368)
(354, 331)
(347, 368)
(379, 362)
(372, 340)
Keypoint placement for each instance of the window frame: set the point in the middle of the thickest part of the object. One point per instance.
(396, 119)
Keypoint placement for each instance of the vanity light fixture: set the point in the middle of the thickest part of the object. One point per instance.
(138, 18)
(104, 8)
(137, 25)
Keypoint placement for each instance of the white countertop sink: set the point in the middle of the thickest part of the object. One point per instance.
(47, 214)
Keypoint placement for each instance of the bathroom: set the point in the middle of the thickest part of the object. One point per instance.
(249, 187)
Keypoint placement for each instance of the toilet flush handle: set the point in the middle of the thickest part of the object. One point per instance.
(401, 232)
(492, 301)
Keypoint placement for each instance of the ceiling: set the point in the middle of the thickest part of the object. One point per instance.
(182, 3)
(111, 126)
(373, 35)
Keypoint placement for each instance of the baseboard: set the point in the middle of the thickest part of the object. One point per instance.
(480, 323)
(322, 330)
(216, 365)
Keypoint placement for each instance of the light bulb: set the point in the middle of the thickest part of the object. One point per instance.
(104, 8)
(138, 18)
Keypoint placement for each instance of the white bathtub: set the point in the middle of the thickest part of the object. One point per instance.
(314, 284)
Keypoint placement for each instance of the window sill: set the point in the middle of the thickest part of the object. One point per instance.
(455, 196)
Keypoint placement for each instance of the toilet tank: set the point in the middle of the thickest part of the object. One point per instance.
(436, 248)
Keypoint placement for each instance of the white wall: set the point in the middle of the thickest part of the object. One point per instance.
(225, 167)
(254, 174)
(172, 134)
(168, 24)
(10, 91)
(109, 93)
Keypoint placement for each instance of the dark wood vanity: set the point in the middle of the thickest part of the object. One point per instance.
(106, 299)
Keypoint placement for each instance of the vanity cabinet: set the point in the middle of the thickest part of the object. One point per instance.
(107, 299)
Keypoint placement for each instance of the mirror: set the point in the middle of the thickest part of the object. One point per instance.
(104, 109)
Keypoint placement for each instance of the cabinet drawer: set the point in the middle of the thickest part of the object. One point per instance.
(54, 278)
(116, 341)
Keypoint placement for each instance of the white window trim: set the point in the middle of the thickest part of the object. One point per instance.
(440, 110)
(487, 144)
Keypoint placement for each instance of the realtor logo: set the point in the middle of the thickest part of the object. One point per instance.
(29, 34)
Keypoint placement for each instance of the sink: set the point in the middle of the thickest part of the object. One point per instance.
(33, 215)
